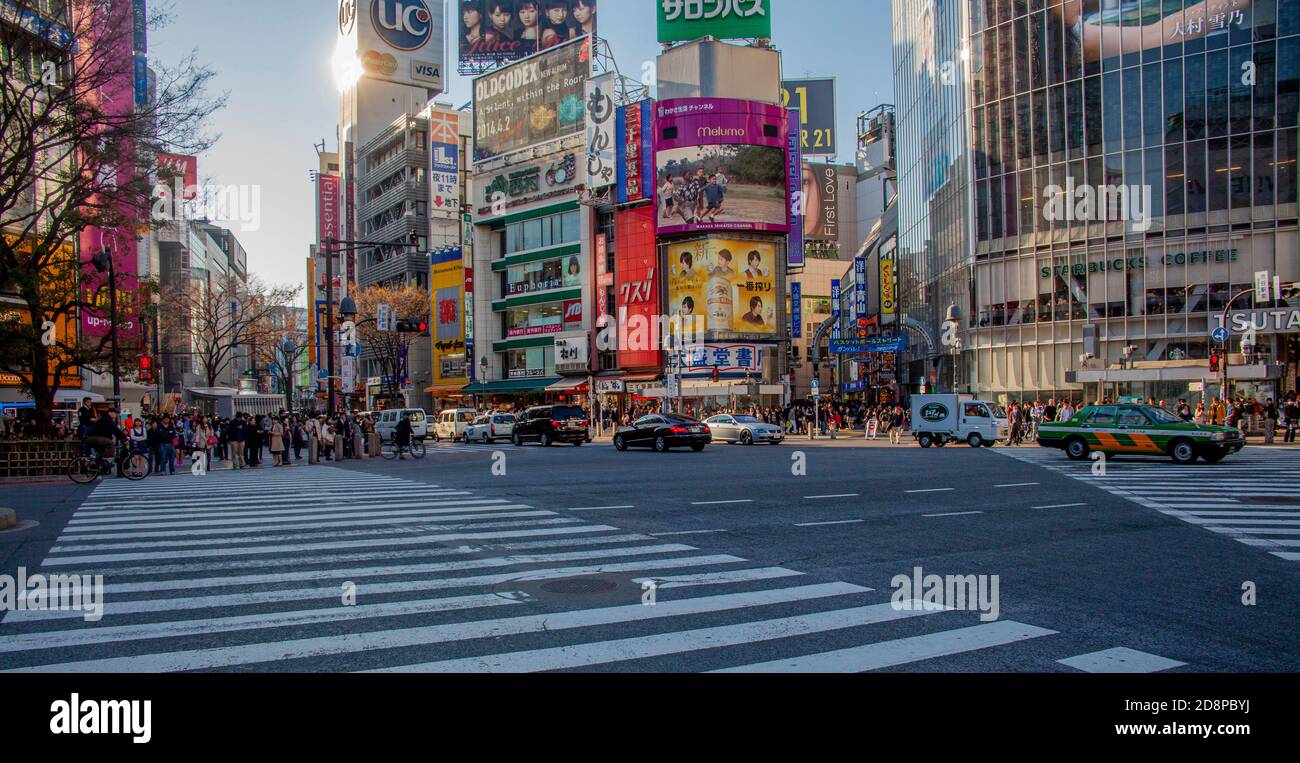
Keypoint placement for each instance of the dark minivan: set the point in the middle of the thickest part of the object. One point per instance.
(552, 423)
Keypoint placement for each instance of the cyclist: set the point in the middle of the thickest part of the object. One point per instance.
(402, 436)
(104, 434)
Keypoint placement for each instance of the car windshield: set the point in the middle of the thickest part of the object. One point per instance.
(747, 420)
(1160, 415)
(998, 413)
(417, 415)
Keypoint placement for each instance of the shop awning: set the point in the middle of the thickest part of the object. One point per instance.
(565, 385)
(452, 390)
(513, 385)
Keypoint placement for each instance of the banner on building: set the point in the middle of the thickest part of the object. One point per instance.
(889, 278)
(796, 310)
(796, 194)
(526, 183)
(536, 100)
(821, 220)
(601, 119)
(447, 287)
(859, 287)
(725, 358)
(635, 138)
(869, 345)
(444, 160)
(174, 167)
(637, 288)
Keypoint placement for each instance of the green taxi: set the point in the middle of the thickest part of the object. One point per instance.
(1141, 430)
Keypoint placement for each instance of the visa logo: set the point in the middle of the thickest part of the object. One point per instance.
(426, 71)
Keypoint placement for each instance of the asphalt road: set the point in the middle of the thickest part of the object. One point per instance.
(1085, 570)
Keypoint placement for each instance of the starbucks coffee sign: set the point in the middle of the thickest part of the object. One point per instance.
(1115, 264)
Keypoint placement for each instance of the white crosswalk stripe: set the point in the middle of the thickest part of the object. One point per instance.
(1252, 496)
(250, 570)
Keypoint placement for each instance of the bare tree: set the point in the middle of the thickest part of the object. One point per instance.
(287, 347)
(77, 153)
(213, 320)
(389, 349)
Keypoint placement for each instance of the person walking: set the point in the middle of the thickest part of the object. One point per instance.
(168, 438)
(276, 443)
(238, 436)
(201, 440)
(1291, 413)
(1270, 421)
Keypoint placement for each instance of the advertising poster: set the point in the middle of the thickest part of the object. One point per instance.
(526, 183)
(1147, 23)
(497, 32)
(532, 101)
(327, 208)
(888, 279)
(680, 20)
(635, 139)
(796, 310)
(174, 170)
(638, 284)
(794, 179)
(444, 160)
(859, 287)
(821, 202)
(601, 113)
(731, 282)
(814, 99)
(721, 165)
(400, 41)
(447, 286)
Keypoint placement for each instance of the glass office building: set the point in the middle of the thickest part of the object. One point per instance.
(1030, 116)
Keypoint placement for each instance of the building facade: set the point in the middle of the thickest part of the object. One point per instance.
(1085, 192)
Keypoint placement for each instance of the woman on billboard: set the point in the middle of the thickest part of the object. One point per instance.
(584, 17)
(471, 24)
(529, 13)
(555, 29)
(501, 13)
(1135, 25)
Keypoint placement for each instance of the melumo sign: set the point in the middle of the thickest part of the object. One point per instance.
(724, 19)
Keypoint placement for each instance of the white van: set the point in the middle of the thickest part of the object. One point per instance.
(940, 419)
(452, 423)
(386, 423)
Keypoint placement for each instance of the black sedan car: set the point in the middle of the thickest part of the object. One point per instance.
(663, 431)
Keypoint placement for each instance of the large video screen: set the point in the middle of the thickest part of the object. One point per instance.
(532, 101)
(720, 165)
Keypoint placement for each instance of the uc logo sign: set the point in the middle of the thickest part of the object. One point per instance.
(403, 24)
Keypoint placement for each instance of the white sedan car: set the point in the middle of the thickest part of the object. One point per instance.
(490, 428)
(745, 430)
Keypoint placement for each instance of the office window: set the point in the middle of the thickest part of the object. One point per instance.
(1265, 58)
(1263, 176)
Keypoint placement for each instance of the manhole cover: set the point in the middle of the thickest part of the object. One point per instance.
(580, 586)
(1279, 499)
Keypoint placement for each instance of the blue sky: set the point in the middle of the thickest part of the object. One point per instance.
(274, 59)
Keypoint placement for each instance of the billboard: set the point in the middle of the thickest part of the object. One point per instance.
(497, 32)
(182, 171)
(532, 101)
(725, 163)
(638, 285)
(444, 163)
(815, 101)
(634, 135)
(732, 20)
(527, 183)
(1148, 24)
(796, 194)
(731, 282)
(821, 218)
(601, 111)
(327, 208)
(447, 287)
(400, 41)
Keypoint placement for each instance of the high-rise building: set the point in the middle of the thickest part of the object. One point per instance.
(1086, 188)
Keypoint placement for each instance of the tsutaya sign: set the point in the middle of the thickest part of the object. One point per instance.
(1281, 321)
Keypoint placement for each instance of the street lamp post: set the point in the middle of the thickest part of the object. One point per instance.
(1223, 367)
(290, 352)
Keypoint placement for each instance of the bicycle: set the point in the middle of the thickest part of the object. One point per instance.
(391, 450)
(86, 469)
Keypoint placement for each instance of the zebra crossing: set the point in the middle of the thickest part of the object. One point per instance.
(251, 571)
(1252, 496)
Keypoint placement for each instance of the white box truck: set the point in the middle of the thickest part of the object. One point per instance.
(940, 419)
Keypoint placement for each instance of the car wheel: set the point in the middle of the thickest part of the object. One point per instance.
(619, 442)
(746, 438)
(1182, 452)
(518, 441)
(1076, 449)
(577, 443)
(485, 439)
(697, 447)
(925, 440)
(546, 439)
(989, 443)
(1214, 456)
(661, 444)
(975, 440)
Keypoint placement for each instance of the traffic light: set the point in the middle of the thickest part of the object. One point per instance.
(412, 326)
(146, 369)
(1214, 362)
